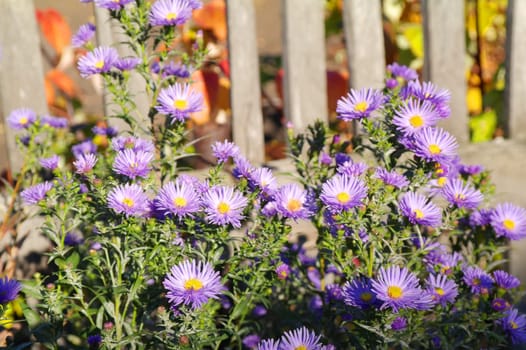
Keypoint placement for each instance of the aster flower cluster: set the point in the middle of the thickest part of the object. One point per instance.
(396, 246)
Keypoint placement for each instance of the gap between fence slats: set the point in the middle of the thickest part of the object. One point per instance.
(245, 94)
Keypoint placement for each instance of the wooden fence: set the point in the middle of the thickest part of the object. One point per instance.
(21, 72)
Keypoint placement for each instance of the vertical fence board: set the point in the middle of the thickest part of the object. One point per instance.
(110, 34)
(245, 93)
(21, 70)
(365, 42)
(444, 65)
(305, 81)
(515, 90)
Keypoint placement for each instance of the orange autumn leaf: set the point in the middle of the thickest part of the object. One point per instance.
(54, 28)
(63, 82)
(50, 92)
(212, 16)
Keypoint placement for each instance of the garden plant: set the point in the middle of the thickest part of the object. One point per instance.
(409, 250)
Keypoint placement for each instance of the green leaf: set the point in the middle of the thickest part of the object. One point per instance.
(73, 260)
(32, 317)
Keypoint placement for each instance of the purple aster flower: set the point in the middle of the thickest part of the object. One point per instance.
(419, 210)
(300, 338)
(177, 198)
(413, 116)
(391, 178)
(9, 290)
(435, 145)
(268, 344)
(391, 83)
(505, 280)
(359, 104)
(129, 200)
(224, 150)
(251, 341)
(316, 305)
(447, 262)
(399, 324)
(313, 274)
(136, 144)
(54, 122)
(83, 148)
(73, 239)
(343, 193)
(192, 283)
(127, 63)
(397, 288)
(509, 221)
(170, 12)
(427, 91)
(83, 35)
(359, 293)
(264, 179)
(242, 168)
(259, 310)
(481, 217)
(178, 101)
(195, 4)
(468, 170)
(50, 163)
(21, 118)
(94, 340)
(325, 158)
(112, 4)
(456, 192)
(499, 304)
(85, 163)
(401, 72)
(176, 69)
(333, 292)
(291, 200)
(351, 168)
(133, 164)
(514, 325)
(283, 271)
(224, 205)
(477, 279)
(100, 60)
(442, 289)
(36, 193)
(342, 158)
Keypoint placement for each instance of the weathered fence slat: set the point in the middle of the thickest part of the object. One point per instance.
(515, 90)
(305, 79)
(109, 34)
(365, 42)
(21, 71)
(445, 50)
(247, 116)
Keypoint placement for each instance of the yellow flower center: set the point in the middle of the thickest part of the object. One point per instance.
(23, 120)
(99, 64)
(193, 284)
(514, 325)
(180, 202)
(476, 281)
(301, 347)
(361, 106)
(441, 181)
(459, 197)
(509, 224)
(439, 291)
(180, 104)
(394, 292)
(223, 208)
(128, 202)
(366, 296)
(171, 15)
(343, 197)
(283, 273)
(416, 121)
(134, 165)
(418, 213)
(434, 149)
(293, 205)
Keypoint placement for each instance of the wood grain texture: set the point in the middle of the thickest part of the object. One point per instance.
(445, 63)
(515, 90)
(21, 70)
(365, 42)
(110, 34)
(305, 82)
(245, 93)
